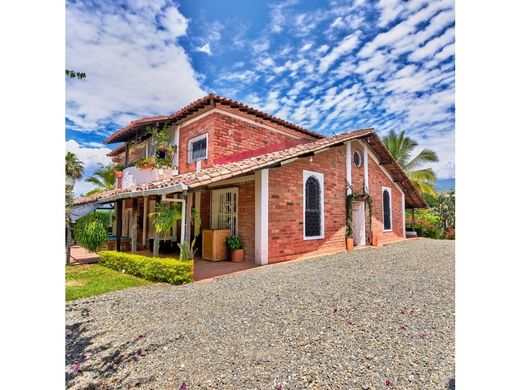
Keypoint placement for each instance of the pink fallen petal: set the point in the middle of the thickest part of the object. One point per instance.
(404, 327)
(76, 368)
(422, 333)
(412, 311)
(139, 352)
(389, 383)
(349, 322)
(183, 386)
(139, 337)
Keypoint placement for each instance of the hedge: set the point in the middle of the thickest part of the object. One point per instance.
(150, 268)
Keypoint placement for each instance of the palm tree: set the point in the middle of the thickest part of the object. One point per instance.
(401, 146)
(104, 179)
(73, 166)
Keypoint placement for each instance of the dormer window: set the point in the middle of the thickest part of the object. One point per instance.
(198, 148)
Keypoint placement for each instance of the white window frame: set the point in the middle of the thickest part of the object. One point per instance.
(383, 189)
(214, 214)
(190, 143)
(320, 177)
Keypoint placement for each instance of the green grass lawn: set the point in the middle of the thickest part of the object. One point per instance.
(92, 279)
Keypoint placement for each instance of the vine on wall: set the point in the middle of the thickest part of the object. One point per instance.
(354, 197)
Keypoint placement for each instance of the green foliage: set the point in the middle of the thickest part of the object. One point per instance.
(91, 231)
(401, 147)
(348, 205)
(234, 242)
(444, 209)
(73, 74)
(165, 216)
(73, 166)
(187, 252)
(150, 268)
(425, 228)
(196, 220)
(104, 178)
(87, 280)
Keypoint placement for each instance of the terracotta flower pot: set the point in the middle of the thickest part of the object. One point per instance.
(375, 241)
(350, 244)
(237, 255)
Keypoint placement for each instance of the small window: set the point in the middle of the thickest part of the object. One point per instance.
(198, 148)
(387, 209)
(358, 160)
(313, 205)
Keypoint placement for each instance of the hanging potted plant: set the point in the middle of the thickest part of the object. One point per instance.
(235, 245)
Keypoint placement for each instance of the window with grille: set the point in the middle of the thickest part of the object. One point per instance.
(313, 205)
(198, 148)
(224, 209)
(387, 209)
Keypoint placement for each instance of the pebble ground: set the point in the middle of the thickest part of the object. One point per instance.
(372, 319)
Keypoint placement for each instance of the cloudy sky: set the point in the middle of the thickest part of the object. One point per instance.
(330, 65)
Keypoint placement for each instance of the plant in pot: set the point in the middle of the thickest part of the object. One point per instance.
(349, 239)
(235, 245)
(146, 163)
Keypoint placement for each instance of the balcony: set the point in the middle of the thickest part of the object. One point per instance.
(133, 176)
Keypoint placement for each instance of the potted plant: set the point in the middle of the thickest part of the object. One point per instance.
(375, 241)
(235, 245)
(146, 163)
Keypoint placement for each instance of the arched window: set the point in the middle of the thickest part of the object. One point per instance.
(387, 209)
(313, 205)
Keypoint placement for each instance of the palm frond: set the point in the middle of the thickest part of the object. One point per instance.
(424, 156)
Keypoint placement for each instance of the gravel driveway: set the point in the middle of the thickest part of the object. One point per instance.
(372, 319)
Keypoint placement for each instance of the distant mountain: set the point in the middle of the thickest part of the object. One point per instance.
(445, 184)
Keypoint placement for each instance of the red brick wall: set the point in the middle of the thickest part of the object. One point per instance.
(286, 204)
(358, 175)
(377, 180)
(286, 207)
(246, 214)
(227, 136)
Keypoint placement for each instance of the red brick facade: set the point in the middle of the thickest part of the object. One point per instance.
(228, 136)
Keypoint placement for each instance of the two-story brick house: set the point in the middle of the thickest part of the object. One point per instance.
(282, 188)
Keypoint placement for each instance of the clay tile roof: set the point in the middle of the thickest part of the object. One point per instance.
(217, 173)
(128, 131)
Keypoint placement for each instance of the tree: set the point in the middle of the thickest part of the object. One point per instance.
(73, 166)
(401, 147)
(73, 74)
(104, 178)
(444, 209)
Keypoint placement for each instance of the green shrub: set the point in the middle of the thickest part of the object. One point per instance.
(156, 270)
(234, 242)
(91, 231)
(424, 228)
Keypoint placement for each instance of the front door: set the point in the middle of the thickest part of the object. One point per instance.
(358, 223)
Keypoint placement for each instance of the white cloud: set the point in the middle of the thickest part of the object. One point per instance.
(204, 49)
(432, 46)
(134, 67)
(89, 156)
(346, 45)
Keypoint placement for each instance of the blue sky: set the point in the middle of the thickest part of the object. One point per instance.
(330, 66)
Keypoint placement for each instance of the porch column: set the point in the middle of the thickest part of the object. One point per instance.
(155, 234)
(145, 221)
(119, 224)
(262, 216)
(183, 219)
(133, 232)
(189, 205)
(413, 219)
(348, 159)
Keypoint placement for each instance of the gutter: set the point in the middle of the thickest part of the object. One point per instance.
(180, 187)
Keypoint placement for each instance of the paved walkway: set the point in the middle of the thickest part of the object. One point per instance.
(79, 255)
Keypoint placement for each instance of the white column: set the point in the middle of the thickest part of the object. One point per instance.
(262, 217)
(145, 220)
(365, 166)
(176, 134)
(349, 167)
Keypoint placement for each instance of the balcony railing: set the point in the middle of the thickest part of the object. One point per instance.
(133, 176)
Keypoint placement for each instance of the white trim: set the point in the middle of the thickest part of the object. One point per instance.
(349, 167)
(191, 141)
(319, 176)
(247, 120)
(383, 188)
(365, 166)
(404, 217)
(176, 135)
(262, 216)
